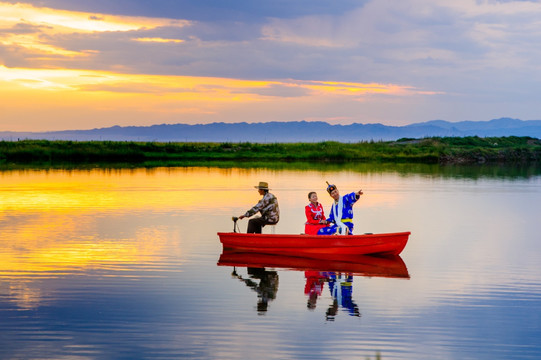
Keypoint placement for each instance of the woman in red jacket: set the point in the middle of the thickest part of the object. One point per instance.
(315, 217)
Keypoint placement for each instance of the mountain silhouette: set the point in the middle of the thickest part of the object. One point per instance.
(295, 131)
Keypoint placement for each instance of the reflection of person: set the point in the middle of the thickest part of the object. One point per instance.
(332, 310)
(341, 214)
(314, 286)
(315, 216)
(266, 289)
(341, 288)
(267, 206)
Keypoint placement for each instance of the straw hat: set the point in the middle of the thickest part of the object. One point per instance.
(262, 185)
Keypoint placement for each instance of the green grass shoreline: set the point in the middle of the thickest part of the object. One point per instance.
(434, 150)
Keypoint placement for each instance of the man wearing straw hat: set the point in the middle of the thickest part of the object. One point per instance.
(267, 206)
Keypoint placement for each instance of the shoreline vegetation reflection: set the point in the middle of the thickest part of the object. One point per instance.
(466, 171)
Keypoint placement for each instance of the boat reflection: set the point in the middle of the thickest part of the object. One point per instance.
(357, 265)
(338, 274)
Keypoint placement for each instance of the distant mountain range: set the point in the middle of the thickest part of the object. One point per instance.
(297, 131)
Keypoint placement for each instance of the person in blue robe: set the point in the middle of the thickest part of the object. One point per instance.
(341, 214)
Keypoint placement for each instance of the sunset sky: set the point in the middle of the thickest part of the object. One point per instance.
(73, 64)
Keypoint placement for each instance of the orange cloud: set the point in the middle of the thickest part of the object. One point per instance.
(91, 80)
(158, 40)
(69, 21)
(350, 88)
(38, 21)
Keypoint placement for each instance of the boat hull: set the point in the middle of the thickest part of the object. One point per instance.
(314, 245)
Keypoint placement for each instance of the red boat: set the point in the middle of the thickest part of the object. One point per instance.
(327, 247)
(391, 266)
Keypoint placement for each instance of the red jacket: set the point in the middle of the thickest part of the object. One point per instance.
(314, 214)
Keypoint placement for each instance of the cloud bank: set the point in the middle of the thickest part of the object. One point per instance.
(133, 62)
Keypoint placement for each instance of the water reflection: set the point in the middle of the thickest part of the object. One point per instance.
(121, 264)
(359, 265)
(341, 290)
(468, 171)
(263, 282)
(338, 274)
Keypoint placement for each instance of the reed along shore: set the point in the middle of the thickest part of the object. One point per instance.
(442, 150)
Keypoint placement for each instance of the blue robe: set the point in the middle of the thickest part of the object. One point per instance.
(341, 287)
(346, 218)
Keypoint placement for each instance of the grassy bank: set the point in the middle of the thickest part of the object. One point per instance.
(444, 150)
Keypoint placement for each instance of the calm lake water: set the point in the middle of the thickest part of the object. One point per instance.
(123, 264)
